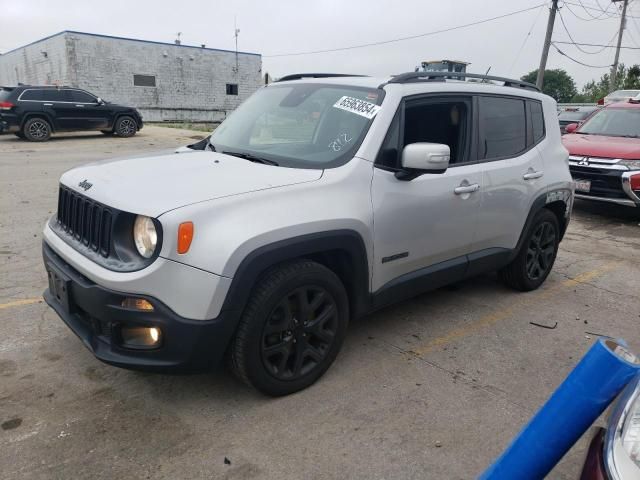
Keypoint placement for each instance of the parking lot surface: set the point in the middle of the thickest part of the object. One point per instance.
(434, 387)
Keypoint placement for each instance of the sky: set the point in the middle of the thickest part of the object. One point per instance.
(511, 46)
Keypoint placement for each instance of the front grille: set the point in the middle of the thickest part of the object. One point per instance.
(604, 182)
(85, 220)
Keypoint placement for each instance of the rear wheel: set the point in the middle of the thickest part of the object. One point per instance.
(126, 127)
(36, 130)
(292, 328)
(537, 254)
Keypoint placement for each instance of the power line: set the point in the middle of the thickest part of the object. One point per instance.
(595, 9)
(420, 35)
(595, 44)
(565, 4)
(526, 38)
(602, 10)
(578, 61)
(564, 25)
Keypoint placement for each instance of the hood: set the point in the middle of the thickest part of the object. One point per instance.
(602, 146)
(154, 185)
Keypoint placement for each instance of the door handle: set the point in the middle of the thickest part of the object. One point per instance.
(462, 189)
(532, 175)
(48, 104)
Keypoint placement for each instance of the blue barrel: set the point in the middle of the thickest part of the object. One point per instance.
(592, 385)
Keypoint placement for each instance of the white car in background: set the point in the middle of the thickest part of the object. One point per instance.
(620, 96)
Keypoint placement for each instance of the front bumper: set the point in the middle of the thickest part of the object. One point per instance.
(609, 183)
(95, 315)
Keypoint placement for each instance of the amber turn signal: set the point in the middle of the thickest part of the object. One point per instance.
(185, 235)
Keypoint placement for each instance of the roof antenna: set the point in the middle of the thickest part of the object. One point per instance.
(236, 31)
(177, 40)
(484, 80)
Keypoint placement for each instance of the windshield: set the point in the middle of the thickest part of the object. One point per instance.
(305, 126)
(614, 122)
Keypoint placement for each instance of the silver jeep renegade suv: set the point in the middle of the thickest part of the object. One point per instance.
(320, 199)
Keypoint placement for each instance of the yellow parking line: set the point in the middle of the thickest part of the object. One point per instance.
(19, 303)
(505, 313)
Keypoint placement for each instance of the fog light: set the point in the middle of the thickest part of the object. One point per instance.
(137, 304)
(141, 337)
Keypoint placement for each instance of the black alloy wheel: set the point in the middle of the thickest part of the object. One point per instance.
(541, 251)
(299, 332)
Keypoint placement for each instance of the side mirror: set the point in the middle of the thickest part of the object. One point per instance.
(426, 157)
(571, 128)
(99, 101)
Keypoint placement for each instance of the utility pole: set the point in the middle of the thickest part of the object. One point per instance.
(623, 22)
(236, 31)
(547, 44)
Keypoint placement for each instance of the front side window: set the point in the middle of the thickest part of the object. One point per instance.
(445, 121)
(81, 97)
(504, 128)
(613, 122)
(304, 125)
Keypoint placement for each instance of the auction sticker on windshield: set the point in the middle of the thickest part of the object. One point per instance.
(357, 106)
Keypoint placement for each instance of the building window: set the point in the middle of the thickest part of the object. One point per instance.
(232, 89)
(144, 80)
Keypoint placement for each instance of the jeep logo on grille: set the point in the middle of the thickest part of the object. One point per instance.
(86, 185)
(584, 162)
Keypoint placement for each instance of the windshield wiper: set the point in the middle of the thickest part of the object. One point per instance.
(252, 158)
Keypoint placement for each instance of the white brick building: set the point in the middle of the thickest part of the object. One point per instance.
(163, 80)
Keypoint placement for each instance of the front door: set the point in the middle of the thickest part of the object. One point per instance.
(426, 225)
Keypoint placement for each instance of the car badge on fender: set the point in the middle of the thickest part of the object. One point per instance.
(86, 185)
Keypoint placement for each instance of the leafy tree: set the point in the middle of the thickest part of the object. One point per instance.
(557, 84)
(627, 78)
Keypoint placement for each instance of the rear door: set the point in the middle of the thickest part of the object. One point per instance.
(513, 170)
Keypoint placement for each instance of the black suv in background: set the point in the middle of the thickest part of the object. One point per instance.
(33, 113)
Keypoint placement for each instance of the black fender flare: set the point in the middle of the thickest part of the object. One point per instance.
(44, 115)
(560, 196)
(348, 242)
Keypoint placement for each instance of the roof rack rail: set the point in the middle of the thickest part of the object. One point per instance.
(299, 76)
(412, 77)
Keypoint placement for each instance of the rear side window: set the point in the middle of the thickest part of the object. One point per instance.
(537, 121)
(32, 95)
(55, 95)
(4, 94)
(504, 127)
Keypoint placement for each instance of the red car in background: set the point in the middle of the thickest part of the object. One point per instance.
(604, 154)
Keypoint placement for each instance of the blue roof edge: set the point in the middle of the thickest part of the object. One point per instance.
(131, 40)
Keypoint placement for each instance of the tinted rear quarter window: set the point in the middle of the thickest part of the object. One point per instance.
(503, 126)
(32, 94)
(537, 121)
(5, 93)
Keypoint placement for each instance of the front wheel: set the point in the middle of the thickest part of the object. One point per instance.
(126, 127)
(292, 328)
(537, 254)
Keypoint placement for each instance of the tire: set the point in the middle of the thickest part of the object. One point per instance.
(107, 132)
(126, 126)
(278, 348)
(36, 129)
(537, 254)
